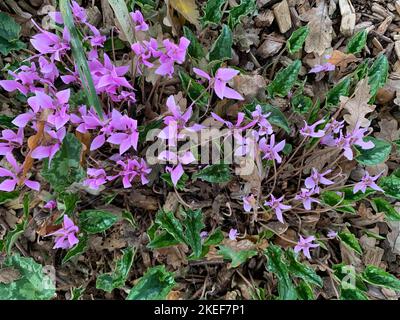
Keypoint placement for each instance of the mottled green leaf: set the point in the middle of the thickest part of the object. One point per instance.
(340, 89)
(297, 38)
(155, 284)
(65, 168)
(195, 49)
(357, 42)
(193, 226)
(246, 7)
(331, 198)
(348, 292)
(9, 34)
(305, 291)
(162, 240)
(301, 104)
(32, 284)
(284, 80)
(77, 250)
(379, 277)
(116, 279)
(276, 265)
(378, 154)
(382, 205)
(237, 257)
(301, 270)
(350, 241)
(167, 221)
(391, 185)
(213, 12)
(215, 173)
(95, 221)
(377, 74)
(180, 184)
(7, 196)
(221, 50)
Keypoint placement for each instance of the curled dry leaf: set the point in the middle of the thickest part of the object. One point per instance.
(358, 106)
(389, 130)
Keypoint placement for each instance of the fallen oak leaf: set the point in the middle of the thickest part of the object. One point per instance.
(341, 60)
(357, 106)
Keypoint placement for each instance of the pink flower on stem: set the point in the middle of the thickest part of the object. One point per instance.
(49, 151)
(238, 125)
(51, 205)
(142, 170)
(367, 181)
(233, 233)
(317, 178)
(355, 137)
(332, 234)
(48, 69)
(130, 169)
(177, 170)
(262, 122)
(277, 205)
(173, 54)
(249, 202)
(12, 140)
(97, 177)
(305, 197)
(220, 82)
(305, 245)
(138, 19)
(325, 67)
(129, 136)
(66, 236)
(309, 130)
(271, 150)
(10, 184)
(145, 51)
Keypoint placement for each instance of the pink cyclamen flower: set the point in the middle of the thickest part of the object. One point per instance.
(203, 235)
(178, 160)
(129, 136)
(262, 122)
(355, 137)
(97, 177)
(317, 178)
(132, 168)
(51, 205)
(249, 202)
(12, 140)
(138, 19)
(305, 197)
(50, 151)
(332, 234)
(220, 82)
(305, 245)
(233, 233)
(309, 130)
(238, 125)
(277, 205)
(13, 179)
(66, 236)
(271, 150)
(367, 181)
(325, 67)
(173, 54)
(142, 170)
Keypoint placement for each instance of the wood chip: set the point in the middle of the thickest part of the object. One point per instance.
(348, 17)
(397, 5)
(384, 25)
(282, 16)
(397, 49)
(264, 19)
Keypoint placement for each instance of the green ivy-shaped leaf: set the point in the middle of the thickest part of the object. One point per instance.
(297, 39)
(116, 279)
(378, 74)
(301, 104)
(340, 89)
(391, 185)
(215, 173)
(304, 291)
(95, 221)
(194, 224)
(357, 42)
(301, 270)
(331, 198)
(9, 35)
(32, 283)
(77, 250)
(167, 221)
(65, 168)
(195, 49)
(284, 80)
(379, 277)
(378, 154)
(221, 50)
(382, 205)
(155, 284)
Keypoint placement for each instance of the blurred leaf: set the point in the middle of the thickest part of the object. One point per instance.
(301, 270)
(80, 58)
(162, 240)
(194, 224)
(195, 49)
(6, 122)
(284, 80)
(77, 293)
(350, 241)
(297, 38)
(221, 50)
(77, 250)
(215, 173)
(213, 12)
(379, 277)
(65, 168)
(301, 104)
(9, 35)
(124, 19)
(276, 265)
(188, 9)
(95, 221)
(194, 90)
(32, 284)
(378, 154)
(357, 42)
(340, 89)
(7, 196)
(155, 284)
(331, 198)
(116, 279)
(237, 257)
(348, 292)
(391, 186)
(378, 74)
(245, 8)
(382, 205)
(305, 291)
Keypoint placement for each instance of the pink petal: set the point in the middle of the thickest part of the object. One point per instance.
(41, 152)
(32, 184)
(97, 142)
(8, 185)
(176, 174)
(201, 73)
(226, 74)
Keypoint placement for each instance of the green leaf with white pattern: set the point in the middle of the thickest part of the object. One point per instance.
(350, 241)
(340, 89)
(237, 257)
(284, 80)
(377, 75)
(391, 185)
(379, 277)
(297, 39)
(246, 8)
(378, 154)
(382, 205)
(194, 224)
(221, 50)
(95, 221)
(195, 49)
(213, 12)
(215, 173)
(301, 270)
(357, 42)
